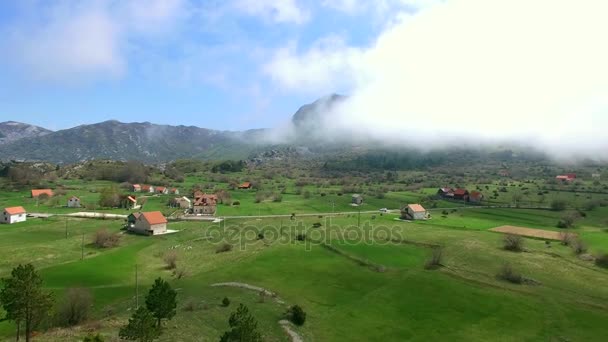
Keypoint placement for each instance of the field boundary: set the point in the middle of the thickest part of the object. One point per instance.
(530, 232)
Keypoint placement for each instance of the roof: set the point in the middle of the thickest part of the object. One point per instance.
(154, 217)
(15, 210)
(183, 198)
(245, 185)
(160, 188)
(132, 199)
(446, 190)
(173, 189)
(460, 192)
(38, 192)
(147, 187)
(357, 195)
(136, 215)
(476, 194)
(136, 186)
(417, 208)
(205, 200)
(74, 197)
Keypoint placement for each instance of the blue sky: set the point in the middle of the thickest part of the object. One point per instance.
(207, 63)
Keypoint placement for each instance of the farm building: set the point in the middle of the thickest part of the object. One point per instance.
(461, 194)
(161, 190)
(569, 177)
(38, 192)
(413, 212)
(475, 197)
(246, 185)
(147, 188)
(136, 188)
(446, 192)
(181, 202)
(74, 202)
(174, 191)
(130, 202)
(13, 215)
(357, 199)
(205, 205)
(149, 223)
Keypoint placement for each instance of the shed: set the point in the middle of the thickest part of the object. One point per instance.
(12, 215)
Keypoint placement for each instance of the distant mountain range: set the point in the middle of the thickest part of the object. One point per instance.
(145, 141)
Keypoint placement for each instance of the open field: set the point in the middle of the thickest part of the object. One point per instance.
(529, 232)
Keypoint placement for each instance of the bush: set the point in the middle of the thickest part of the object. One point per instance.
(512, 242)
(180, 273)
(104, 239)
(306, 194)
(93, 338)
(507, 273)
(434, 261)
(578, 246)
(568, 220)
(277, 198)
(558, 205)
(171, 260)
(602, 260)
(225, 247)
(225, 302)
(296, 315)
(566, 238)
(235, 203)
(75, 307)
(301, 237)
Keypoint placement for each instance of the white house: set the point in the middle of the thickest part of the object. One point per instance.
(149, 223)
(414, 212)
(13, 215)
(74, 202)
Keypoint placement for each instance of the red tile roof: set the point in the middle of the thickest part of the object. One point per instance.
(38, 192)
(154, 217)
(245, 185)
(417, 208)
(475, 195)
(205, 200)
(15, 210)
(160, 188)
(460, 192)
(132, 199)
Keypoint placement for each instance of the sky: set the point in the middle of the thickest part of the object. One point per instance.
(422, 72)
(193, 62)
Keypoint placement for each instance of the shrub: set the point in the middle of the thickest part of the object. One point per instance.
(566, 238)
(93, 338)
(578, 246)
(171, 260)
(317, 224)
(568, 220)
(507, 273)
(225, 247)
(225, 302)
(558, 205)
(75, 307)
(296, 315)
(602, 260)
(434, 261)
(236, 203)
(512, 242)
(190, 305)
(306, 194)
(104, 239)
(277, 198)
(180, 273)
(301, 237)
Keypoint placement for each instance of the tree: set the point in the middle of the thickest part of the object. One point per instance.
(109, 197)
(75, 307)
(141, 327)
(244, 327)
(161, 301)
(558, 205)
(23, 299)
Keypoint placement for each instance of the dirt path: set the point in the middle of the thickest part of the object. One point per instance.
(295, 337)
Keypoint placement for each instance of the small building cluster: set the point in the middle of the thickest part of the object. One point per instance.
(460, 194)
(162, 190)
(568, 177)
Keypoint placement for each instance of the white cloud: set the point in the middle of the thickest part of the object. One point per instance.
(492, 69)
(280, 11)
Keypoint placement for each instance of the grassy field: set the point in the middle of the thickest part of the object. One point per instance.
(345, 298)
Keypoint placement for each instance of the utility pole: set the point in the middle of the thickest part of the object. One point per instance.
(66, 227)
(359, 219)
(82, 248)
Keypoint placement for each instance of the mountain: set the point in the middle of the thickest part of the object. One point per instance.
(11, 131)
(309, 116)
(145, 142)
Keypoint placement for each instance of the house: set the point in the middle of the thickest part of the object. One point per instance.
(357, 199)
(446, 192)
(565, 178)
(246, 185)
(132, 218)
(148, 223)
(174, 191)
(197, 194)
(38, 192)
(205, 205)
(147, 188)
(74, 202)
(136, 188)
(130, 202)
(475, 197)
(162, 190)
(413, 212)
(596, 176)
(13, 215)
(461, 194)
(181, 202)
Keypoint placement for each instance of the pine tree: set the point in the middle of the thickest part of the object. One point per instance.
(161, 301)
(244, 327)
(141, 327)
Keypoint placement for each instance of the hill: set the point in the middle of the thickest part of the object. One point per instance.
(11, 131)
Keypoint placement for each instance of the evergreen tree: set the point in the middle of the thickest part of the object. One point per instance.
(244, 327)
(161, 301)
(141, 327)
(23, 299)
